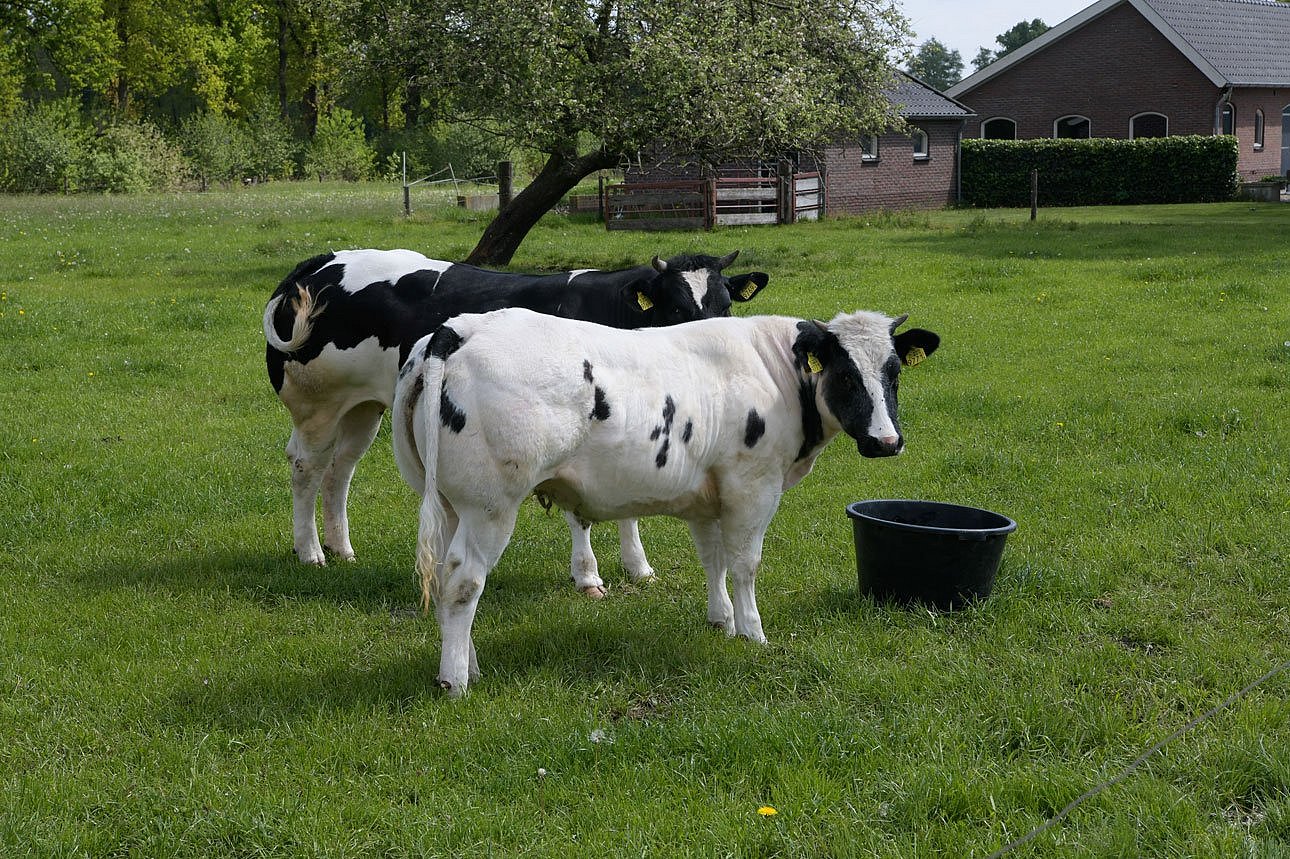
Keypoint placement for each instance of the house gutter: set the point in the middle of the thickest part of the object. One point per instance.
(1224, 98)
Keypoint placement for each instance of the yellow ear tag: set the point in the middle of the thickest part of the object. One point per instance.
(749, 290)
(914, 357)
(643, 300)
(813, 363)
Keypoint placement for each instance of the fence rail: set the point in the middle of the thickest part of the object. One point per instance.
(694, 204)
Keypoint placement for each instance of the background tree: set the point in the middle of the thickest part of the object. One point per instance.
(1018, 34)
(936, 64)
(588, 84)
(1009, 40)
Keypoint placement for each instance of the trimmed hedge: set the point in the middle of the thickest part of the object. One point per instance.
(1100, 171)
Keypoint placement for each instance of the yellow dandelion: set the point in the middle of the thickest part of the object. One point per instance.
(767, 811)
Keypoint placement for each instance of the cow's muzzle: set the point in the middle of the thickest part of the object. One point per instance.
(875, 447)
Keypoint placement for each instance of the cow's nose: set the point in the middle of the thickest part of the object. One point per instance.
(888, 445)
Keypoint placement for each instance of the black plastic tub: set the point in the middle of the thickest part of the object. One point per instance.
(943, 555)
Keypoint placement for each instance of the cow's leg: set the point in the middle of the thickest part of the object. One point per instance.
(632, 552)
(712, 554)
(743, 530)
(309, 458)
(477, 544)
(582, 561)
(357, 430)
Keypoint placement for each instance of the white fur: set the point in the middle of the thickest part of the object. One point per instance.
(698, 283)
(364, 268)
(518, 378)
(578, 271)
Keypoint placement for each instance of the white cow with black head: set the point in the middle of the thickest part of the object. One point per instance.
(709, 422)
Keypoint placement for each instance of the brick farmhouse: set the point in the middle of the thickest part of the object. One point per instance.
(913, 168)
(1148, 68)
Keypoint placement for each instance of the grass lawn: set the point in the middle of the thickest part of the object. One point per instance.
(173, 683)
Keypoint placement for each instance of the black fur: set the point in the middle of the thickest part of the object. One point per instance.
(754, 429)
(600, 411)
(451, 416)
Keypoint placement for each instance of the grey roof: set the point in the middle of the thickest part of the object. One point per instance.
(1232, 42)
(1246, 41)
(918, 100)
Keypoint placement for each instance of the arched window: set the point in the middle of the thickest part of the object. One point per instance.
(1148, 125)
(1073, 126)
(1229, 118)
(1258, 129)
(920, 143)
(999, 128)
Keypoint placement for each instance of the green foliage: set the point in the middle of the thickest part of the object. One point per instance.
(130, 157)
(216, 147)
(1018, 34)
(43, 148)
(936, 64)
(339, 148)
(983, 58)
(1100, 171)
(472, 151)
(271, 148)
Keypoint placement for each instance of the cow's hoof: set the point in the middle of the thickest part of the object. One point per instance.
(724, 626)
(595, 592)
(647, 578)
(339, 554)
(449, 689)
(312, 559)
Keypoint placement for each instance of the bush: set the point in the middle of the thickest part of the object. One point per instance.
(339, 149)
(217, 149)
(1195, 169)
(133, 157)
(472, 152)
(271, 147)
(43, 148)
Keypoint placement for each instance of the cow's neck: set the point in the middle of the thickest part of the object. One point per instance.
(798, 391)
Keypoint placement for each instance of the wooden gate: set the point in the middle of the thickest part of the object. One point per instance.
(704, 203)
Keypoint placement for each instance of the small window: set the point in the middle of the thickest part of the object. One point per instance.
(1073, 127)
(999, 128)
(1229, 119)
(869, 147)
(920, 143)
(1258, 129)
(1148, 125)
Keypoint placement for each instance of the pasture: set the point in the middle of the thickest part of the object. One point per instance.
(174, 683)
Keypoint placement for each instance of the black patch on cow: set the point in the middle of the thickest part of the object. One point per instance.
(688, 431)
(661, 459)
(600, 411)
(754, 429)
(449, 415)
(664, 430)
(586, 372)
(443, 343)
(812, 425)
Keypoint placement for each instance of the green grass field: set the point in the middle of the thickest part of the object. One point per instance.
(173, 683)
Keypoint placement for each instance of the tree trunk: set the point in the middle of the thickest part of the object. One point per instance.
(502, 237)
(282, 59)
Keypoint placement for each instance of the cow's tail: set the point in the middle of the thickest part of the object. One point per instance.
(420, 381)
(305, 308)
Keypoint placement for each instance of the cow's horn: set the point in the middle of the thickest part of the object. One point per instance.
(660, 266)
(727, 260)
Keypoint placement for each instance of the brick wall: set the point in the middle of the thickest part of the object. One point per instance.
(1111, 69)
(895, 180)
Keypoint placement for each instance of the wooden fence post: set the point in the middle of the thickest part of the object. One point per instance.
(709, 203)
(505, 178)
(786, 184)
(1034, 193)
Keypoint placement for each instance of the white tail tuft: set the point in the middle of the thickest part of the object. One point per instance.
(306, 308)
(419, 386)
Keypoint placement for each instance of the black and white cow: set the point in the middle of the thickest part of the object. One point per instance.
(340, 324)
(708, 422)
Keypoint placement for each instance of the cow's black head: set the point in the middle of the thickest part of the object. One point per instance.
(854, 363)
(692, 286)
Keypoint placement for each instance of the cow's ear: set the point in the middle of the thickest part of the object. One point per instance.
(744, 286)
(639, 295)
(915, 344)
(811, 348)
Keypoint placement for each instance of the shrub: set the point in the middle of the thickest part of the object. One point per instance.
(1194, 169)
(133, 157)
(339, 149)
(43, 148)
(272, 149)
(217, 149)
(471, 151)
